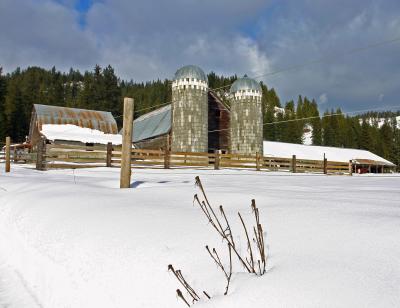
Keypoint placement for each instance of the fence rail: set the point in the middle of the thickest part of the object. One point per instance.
(142, 158)
(67, 156)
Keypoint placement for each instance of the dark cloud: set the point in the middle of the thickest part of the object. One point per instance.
(147, 40)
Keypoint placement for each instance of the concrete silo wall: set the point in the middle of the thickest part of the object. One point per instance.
(189, 120)
(246, 126)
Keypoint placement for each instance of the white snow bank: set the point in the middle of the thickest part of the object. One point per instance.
(77, 240)
(76, 133)
(286, 150)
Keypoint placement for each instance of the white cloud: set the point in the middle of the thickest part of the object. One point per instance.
(323, 98)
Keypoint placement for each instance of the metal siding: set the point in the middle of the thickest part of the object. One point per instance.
(100, 120)
(152, 124)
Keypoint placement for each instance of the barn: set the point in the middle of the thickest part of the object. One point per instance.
(153, 130)
(71, 124)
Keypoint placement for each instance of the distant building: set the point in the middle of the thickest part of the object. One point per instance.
(363, 161)
(44, 114)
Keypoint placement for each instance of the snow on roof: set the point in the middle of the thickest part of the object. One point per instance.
(94, 119)
(286, 150)
(71, 132)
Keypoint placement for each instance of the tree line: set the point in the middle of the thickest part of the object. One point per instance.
(101, 89)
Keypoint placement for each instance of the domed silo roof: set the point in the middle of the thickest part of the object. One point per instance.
(245, 83)
(190, 71)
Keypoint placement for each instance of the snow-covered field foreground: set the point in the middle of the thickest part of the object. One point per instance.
(74, 239)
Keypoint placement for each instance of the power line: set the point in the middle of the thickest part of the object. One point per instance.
(317, 117)
(296, 67)
(322, 59)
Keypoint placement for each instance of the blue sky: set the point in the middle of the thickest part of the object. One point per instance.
(146, 40)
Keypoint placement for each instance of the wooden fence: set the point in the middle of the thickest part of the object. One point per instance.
(67, 156)
(142, 158)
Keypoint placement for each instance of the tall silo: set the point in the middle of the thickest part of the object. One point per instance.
(189, 110)
(246, 117)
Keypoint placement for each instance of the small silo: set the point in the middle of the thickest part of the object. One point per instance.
(189, 110)
(246, 117)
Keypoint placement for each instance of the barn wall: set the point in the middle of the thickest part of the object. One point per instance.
(218, 121)
(156, 143)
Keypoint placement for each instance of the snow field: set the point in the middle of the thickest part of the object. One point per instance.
(76, 240)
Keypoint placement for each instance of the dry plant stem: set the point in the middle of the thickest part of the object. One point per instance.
(217, 260)
(198, 183)
(251, 263)
(221, 209)
(180, 295)
(205, 293)
(230, 269)
(207, 208)
(181, 279)
(259, 236)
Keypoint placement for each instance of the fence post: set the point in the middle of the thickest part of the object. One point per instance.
(8, 156)
(125, 177)
(216, 159)
(41, 154)
(167, 154)
(350, 167)
(294, 163)
(258, 161)
(109, 154)
(15, 158)
(325, 165)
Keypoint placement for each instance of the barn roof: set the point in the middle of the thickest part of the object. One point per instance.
(152, 124)
(99, 120)
(286, 150)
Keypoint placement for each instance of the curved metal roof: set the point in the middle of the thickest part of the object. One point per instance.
(245, 83)
(94, 119)
(190, 71)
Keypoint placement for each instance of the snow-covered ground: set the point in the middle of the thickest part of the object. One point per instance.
(74, 239)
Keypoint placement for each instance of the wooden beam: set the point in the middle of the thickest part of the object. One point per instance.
(217, 159)
(127, 131)
(109, 154)
(41, 154)
(258, 161)
(167, 153)
(8, 156)
(350, 167)
(294, 163)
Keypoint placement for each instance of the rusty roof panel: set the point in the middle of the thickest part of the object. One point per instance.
(100, 120)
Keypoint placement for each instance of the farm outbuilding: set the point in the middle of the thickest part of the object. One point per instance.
(362, 161)
(42, 115)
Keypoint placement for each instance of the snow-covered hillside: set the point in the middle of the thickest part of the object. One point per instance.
(74, 239)
(380, 121)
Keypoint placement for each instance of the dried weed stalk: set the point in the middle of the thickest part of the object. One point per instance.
(224, 229)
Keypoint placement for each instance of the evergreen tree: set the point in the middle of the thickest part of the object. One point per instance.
(3, 89)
